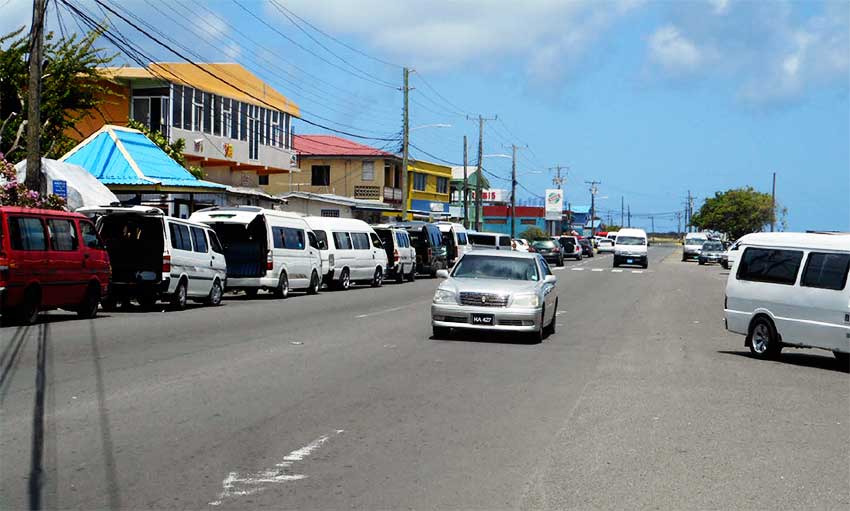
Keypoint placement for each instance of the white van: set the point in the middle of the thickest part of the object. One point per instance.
(489, 240)
(266, 249)
(790, 289)
(351, 251)
(455, 238)
(154, 257)
(692, 245)
(631, 248)
(401, 255)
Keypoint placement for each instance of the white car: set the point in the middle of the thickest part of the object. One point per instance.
(489, 240)
(155, 257)
(791, 289)
(605, 245)
(692, 245)
(728, 257)
(521, 245)
(631, 248)
(455, 238)
(351, 251)
(570, 247)
(266, 249)
(401, 256)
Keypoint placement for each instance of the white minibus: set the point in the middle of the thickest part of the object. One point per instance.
(351, 251)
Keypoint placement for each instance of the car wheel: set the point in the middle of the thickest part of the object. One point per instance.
(440, 332)
(724, 265)
(684, 259)
(399, 275)
(378, 278)
(550, 328)
(216, 292)
(764, 343)
(344, 280)
(843, 358)
(108, 303)
(560, 261)
(315, 284)
(180, 297)
(282, 289)
(701, 262)
(645, 265)
(27, 312)
(578, 258)
(88, 309)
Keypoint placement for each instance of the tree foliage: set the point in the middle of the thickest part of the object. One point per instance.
(534, 233)
(72, 89)
(15, 193)
(172, 149)
(736, 212)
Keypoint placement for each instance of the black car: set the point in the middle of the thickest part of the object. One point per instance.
(431, 252)
(586, 247)
(550, 251)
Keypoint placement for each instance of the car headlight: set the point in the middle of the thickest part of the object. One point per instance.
(445, 296)
(526, 300)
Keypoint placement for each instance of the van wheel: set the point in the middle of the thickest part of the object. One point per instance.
(344, 280)
(27, 313)
(88, 309)
(180, 297)
(315, 284)
(412, 275)
(843, 358)
(764, 343)
(378, 278)
(282, 289)
(215, 295)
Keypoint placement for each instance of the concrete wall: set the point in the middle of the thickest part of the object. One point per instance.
(214, 147)
(314, 207)
(346, 173)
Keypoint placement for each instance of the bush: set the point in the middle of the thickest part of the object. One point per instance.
(14, 193)
(534, 233)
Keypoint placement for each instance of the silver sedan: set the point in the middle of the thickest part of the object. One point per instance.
(491, 290)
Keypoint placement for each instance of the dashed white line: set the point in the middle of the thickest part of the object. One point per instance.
(577, 269)
(597, 269)
(616, 271)
(637, 271)
(393, 309)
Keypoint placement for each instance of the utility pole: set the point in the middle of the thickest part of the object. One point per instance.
(689, 212)
(630, 215)
(773, 204)
(559, 182)
(405, 150)
(652, 219)
(593, 192)
(679, 224)
(34, 180)
(478, 179)
(622, 200)
(514, 147)
(465, 185)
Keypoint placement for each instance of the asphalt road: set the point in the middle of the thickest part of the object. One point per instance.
(342, 401)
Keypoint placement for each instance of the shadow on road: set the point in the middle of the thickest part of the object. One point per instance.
(825, 361)
(489, 337)
(105, 428)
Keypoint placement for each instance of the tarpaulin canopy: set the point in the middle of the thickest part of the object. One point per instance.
(81, 187)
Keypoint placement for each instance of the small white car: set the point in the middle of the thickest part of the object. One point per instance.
(401, 256)
(605, 245)
(455, 238)
(521, 245)
(728, 257)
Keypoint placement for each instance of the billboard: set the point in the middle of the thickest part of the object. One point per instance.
(491, 195)
(554, 204)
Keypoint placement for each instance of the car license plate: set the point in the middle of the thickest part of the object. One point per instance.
(629, 261)
(483, 319)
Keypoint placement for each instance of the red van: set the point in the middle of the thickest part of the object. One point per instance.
(49, 260)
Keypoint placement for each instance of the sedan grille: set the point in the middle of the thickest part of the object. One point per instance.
(483, 300)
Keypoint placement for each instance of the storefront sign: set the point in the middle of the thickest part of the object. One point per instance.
(554, 204)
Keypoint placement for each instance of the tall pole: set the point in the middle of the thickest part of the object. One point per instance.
(465, 185)
(480, 176)
(688, 213)
(405, 150)
(630, 215)
(622, 210)
(559, 182)
(513, 191)
(34, 180)
(652, 219)
(593, 191)
(773, 204)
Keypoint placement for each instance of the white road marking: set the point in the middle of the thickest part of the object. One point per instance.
(616, 271)
(597, 269)
(560, 313)
(394, 309)
(637, 271)
(237, 485)
(577, 269)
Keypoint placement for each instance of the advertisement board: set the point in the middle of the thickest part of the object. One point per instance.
(554, 204)
(491, 195)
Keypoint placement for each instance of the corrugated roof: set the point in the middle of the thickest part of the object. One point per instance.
(124, 156)
(236, 81)
(330, 145)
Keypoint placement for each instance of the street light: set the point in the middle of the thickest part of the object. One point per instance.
(439, 125)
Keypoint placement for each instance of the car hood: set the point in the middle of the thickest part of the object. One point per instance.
(496, 286)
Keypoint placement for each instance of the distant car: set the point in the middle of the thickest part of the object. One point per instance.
(606, 245)
(521, 245)
(570, 247)
(711, 252)
(489, 240)
(586, 247)
(401, 256)
(693, 245)
(728, 257)
(550, 251)
(431, 252)
(631, 248)
(492, 290)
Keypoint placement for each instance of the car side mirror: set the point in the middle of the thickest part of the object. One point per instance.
(442, 274)
(550, 279)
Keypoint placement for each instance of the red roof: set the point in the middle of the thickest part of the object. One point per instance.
(524, 211)
(330, 145)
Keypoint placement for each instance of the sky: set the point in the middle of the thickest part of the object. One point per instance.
(652, 99)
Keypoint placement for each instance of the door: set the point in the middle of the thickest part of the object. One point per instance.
(201, 279)
(343, 253)
(295, 243)
(821, 317)
(550, 291)
(29, 258)
(218, 263)
(182, 259)
(68, 281)
(378, 253)
(95, 257)
(364, 259)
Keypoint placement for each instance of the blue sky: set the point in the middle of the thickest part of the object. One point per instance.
(651, 98)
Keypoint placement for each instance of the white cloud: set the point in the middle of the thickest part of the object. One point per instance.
(720, 6)
(672, 51)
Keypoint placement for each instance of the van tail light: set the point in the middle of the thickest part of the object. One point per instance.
(395, 255)
(269, 261)
(166, 263)
(430, 253)
(531, 249)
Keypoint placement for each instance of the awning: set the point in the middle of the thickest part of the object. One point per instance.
(81, 188)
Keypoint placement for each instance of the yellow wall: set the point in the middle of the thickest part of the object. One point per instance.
(346, 173)
(432, 171)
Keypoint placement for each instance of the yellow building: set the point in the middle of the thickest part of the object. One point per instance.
(428, 189)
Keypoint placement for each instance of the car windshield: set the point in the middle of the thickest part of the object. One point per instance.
(631, 240)
(714, 246)
(695, 241)
(492, 267)
(543, 244)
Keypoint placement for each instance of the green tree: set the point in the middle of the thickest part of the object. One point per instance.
(72, 89)
(737, 212)
(533, 233)
(610, 228)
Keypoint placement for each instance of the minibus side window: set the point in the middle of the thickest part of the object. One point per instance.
(826, 271)
(770, 265)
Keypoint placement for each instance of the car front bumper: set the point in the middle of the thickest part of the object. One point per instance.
(506, 318)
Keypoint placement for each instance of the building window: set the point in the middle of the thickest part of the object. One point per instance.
(263, 179)
(368, 172)
(442, 185)
(226, 118)
(243, 121)
(216, 115)
(528, 221)
(321, 175)
(496, 221)
(177, 105)
(207, 112)
(419, 181)
(331, 213)
(187, 107)
(288, 129)
(388, 174)
(197, 110)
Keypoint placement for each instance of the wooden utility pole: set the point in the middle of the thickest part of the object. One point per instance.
(773, 204)
(513, 191)
(405, 150)
(559, 182)
(593, 192)
(34, 180)
(480, 175)
(465, 195)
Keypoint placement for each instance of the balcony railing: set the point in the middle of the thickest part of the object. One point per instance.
(392, 194)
